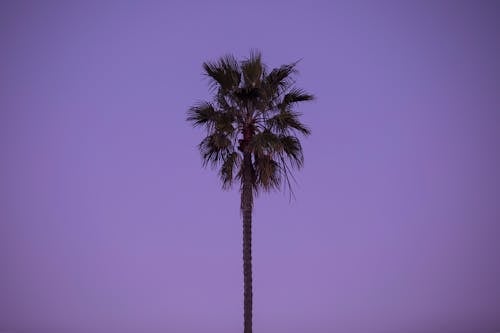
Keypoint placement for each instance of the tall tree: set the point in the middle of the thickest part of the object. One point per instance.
(251, 136)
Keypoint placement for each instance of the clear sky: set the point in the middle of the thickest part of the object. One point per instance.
(108, 223)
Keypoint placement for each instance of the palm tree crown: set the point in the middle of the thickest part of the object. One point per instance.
(252, 112)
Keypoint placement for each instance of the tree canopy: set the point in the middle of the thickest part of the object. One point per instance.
(253, 111)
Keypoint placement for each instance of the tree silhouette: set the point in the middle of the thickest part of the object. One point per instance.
(251, 136)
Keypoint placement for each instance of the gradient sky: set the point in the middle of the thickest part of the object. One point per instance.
(109, 223)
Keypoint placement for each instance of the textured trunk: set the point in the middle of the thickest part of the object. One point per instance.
(246, 209)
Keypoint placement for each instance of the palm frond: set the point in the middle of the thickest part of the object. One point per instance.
(286, 121)
(295, 95)
(224, 73)
(287, 176)
(292, 150)
(225, 121)
(202, 114)
(205, 114)
(268, 173)
(215, 148)
(269, 143)
(252, 70)
(265, 142)
(280, 79)
(226, 172)
(281, 76)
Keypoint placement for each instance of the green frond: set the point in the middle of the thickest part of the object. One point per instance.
(265, 142)
(204, 114)
(201, 114)
(286, 121)
(224, 122)
(226, 172)
(295, 95)
(215, 148)
(252, 70)
(268, 173)
(280, 79)
(224, 73)
(292, 149)
(276, 84)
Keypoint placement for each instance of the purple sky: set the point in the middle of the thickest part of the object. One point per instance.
(108, 223)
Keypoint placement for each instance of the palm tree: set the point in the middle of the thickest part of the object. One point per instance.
(252, 128)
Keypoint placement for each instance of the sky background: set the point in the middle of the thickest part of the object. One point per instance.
(109, 223)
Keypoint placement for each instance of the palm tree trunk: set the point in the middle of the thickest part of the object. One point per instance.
(246, 209)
